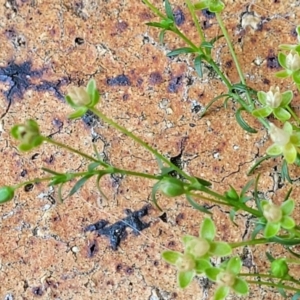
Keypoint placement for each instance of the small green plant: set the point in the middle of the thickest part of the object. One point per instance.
(272, 223)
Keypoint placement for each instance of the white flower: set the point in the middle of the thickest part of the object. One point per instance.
(79, 96)
(273, 97)
(279, 136)
(293, 61)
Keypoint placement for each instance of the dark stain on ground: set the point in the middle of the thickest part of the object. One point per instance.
(90, 119)
(207, 14)
(117, 231)
(272, 62)
(175, 84)
(178, 16)
(18, 76)
(155, 78)
(120, 80)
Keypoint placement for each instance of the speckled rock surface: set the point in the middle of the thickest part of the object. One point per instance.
(46, 46)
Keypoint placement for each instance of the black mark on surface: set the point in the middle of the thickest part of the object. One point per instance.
(79, 41)
(90, 119)
(92, 248)
(28, 187)
(117, 231)
(120, 80)
(19, 76)
(37, 291)
(155, 78)
(207, 14)
(175, 84)
(163, 217)
(272, 62)
(178, 16)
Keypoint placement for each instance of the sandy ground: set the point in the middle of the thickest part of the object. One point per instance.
(45, 46)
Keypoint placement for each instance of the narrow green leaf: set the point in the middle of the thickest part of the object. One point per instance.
(91, 87)
(162, 36)
(168, 10)
(155, 189)
(164, 25)
(270, 257)
(197, 206)
(285, 172)
(93, 166)
(296, 296)
(232, 216)
(285, 241)
(79, 184)
(201, 5)
(242, 122)
(198, 65)
(183, 50)
(256, 230)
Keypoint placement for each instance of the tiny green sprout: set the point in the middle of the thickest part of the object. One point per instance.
(277, 216)
(227, 279)
(291, 65)
(274, 102)
(28, 134)
(204, 246)
(286, 142)
(279, 268)
(81, 99)
(6, 194)
(215, 6)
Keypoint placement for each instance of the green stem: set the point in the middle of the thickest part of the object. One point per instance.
(185, 38)
(209, 199)
(293, 114)
(272, 284)
(74, 150)
(140, 142)
(291, 279)
(219, 72)
(35, 180)
(154, 9)
(195, 19)
(237, 64)
(133, 173)
(249, 242)
(235, 204)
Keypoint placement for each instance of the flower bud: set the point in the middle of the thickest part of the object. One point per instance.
(278, 135)
(279, 267)
(79, 96)
(198, 247)
(226, 278)
(171, 187)
(6, 194)
(293, 61)
(273, 97)
(185, 263)
(272, 212)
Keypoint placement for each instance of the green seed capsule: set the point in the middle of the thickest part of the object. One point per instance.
(171, 187)
(6, 194)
